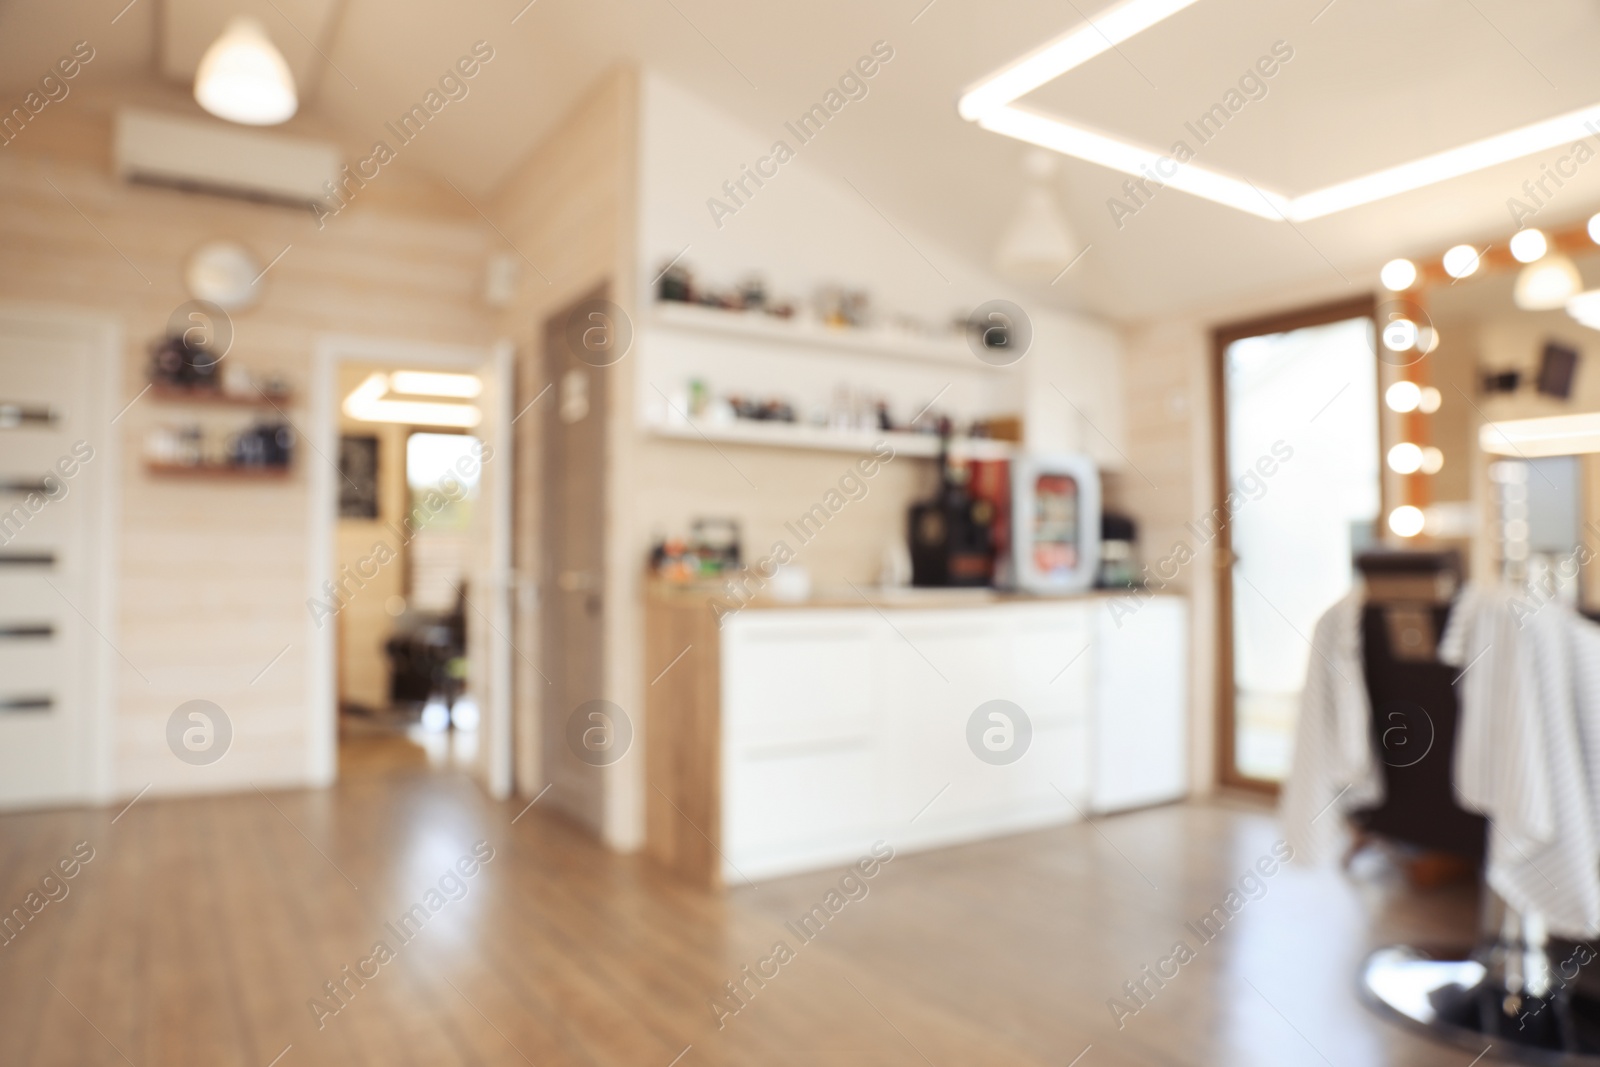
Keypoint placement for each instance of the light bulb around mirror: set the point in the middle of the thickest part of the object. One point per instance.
(1528, 245)
(1398, 274)
(1432, 460)
(1430, 401)
(1403, 397)
(1461, 261)
(1407, 521)
(1405, 458)
(1400, 335)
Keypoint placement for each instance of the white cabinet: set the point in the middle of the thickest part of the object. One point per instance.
(843, 726)
(1141, 703)
(802, 736)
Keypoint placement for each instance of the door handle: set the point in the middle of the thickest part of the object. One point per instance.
(20, 486)
(577, 581)
(15, 413)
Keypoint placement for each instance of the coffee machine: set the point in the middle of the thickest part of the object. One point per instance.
(952, 535)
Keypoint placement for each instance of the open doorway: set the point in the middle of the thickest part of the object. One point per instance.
(408, 500)
(1298, 460)
(410, 535)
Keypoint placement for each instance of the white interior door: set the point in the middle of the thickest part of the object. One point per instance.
(55, 455)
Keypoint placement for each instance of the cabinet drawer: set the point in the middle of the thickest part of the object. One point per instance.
(780, 800)
(797, 681)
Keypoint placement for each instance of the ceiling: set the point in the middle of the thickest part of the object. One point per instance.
(1372, 83)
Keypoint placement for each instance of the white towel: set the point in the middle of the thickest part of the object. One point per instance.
(1335, 770)
(1528, 750)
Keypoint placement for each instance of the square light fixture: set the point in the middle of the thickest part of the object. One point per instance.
(371, 402)
(992, 105)
(1550, 435)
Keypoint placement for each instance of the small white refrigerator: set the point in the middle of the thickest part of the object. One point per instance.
(1141, 706)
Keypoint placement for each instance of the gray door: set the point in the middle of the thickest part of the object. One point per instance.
(574, 537)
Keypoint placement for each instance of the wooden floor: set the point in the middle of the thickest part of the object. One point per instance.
(201, 929)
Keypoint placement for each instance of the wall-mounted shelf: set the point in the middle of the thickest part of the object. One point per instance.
(216, 470)
(180, 395)
(817, 438)
(757, 325)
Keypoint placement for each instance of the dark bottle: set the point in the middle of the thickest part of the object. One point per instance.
(952, 535)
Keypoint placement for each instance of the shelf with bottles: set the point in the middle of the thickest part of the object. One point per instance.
(854, 420)
(823, 438)
(185, 367)
(836, 317)
(217, 470)
(896, 342)
(265, 449)
(265, 397)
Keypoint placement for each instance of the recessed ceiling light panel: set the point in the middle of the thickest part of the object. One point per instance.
(1072, 49)
(991, 104)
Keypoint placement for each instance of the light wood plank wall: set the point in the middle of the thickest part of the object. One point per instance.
(567, 211)
(213, 575)
(1168, 485)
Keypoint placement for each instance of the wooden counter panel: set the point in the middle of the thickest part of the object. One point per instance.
(683, 741)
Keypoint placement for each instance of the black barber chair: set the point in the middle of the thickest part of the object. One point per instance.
(1414, 706)
(1522, 992)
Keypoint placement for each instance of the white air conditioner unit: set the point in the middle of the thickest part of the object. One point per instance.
(213, 157)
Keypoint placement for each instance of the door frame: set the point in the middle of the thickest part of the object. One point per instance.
(1227, 771)
(103, 334)
(329, 353)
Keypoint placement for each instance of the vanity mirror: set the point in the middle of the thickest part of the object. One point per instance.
(1492, 423)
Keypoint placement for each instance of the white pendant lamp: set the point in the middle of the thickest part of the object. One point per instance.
(1038, 244)
(243, 77)
(1547, 284)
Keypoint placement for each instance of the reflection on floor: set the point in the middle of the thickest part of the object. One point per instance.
(207, 931)
(1264, 733)
(372, 745)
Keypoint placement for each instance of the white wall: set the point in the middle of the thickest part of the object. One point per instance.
(801, 230)
(1171, 477)
(804, 229)
(211, 584)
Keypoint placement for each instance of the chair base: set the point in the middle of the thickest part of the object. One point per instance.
(1451, 997)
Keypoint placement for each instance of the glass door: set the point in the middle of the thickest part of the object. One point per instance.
(1301, 492)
